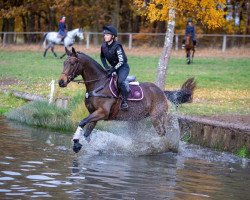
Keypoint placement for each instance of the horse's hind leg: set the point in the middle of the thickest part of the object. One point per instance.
(158, 121)
(45, 52)
(52, 49)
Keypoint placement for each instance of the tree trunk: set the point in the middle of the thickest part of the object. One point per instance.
(165, 55)
(9, 26)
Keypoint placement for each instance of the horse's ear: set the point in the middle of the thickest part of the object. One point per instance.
(67, 51)
(74, 52)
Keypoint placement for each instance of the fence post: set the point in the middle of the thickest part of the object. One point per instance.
(87, 41)
(4, 39)
(176, 42)
(224, 45)
(130, 41)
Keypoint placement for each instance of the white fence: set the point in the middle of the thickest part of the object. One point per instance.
(132, 40)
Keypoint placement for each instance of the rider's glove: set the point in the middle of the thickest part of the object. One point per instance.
(111, 71)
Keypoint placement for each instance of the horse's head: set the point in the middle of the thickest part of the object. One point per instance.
(70, 68)
(79, 34)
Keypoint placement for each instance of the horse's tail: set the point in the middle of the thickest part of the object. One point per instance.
(184, 95)
(44, 40)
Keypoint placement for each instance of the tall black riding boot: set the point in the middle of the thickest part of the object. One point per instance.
(124, 93)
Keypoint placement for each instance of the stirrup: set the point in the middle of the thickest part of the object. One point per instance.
(124, 106)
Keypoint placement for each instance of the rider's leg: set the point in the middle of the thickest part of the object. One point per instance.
(122, 73)
(194, 42)
(183, 43)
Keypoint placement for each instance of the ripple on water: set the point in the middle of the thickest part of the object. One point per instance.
(40, 194)
(76, 177)
(51, 174)
(6, 178)
(4, 190)
(45, 185)
(34, 162)
(15, 194)
(58, 182)
(9, 157)
(4, 163)
(11, 173)
(39, 177)
(28, 166)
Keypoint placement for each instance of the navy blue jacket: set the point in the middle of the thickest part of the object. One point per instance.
(190, 30)
(62, 28)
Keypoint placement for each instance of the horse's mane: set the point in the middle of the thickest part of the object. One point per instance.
(93, 61)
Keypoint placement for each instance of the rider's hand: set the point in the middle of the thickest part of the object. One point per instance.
(111, 71)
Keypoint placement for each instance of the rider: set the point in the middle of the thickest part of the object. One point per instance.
(189, 30)
(113, 52)
(62, 28)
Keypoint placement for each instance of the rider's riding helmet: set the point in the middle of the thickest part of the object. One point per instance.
(189, 20)
(110, 30)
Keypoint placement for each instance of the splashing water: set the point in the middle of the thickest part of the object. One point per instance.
(132, 138)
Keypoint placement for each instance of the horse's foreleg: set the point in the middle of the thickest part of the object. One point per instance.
(188, 56)
(91, 120)
(52, 49)
(89, 128)
(193, 54)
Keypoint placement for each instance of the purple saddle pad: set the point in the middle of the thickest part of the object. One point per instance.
(135, 91)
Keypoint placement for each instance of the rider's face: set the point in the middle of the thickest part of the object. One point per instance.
(107, 37)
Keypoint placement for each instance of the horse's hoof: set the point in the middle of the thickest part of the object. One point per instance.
(77, 146)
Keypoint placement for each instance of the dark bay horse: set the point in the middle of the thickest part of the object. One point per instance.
(189, 46)
(103, 106)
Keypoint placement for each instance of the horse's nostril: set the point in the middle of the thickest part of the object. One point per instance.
(61, 83)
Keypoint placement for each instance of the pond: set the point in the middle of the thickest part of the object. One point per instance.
(37, 163)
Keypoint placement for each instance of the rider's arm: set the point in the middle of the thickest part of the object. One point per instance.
(103, 59)
(120, 56)
(186, 32)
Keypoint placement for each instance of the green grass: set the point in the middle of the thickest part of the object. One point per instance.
(42, 114)
(223, 83)
(243, 152)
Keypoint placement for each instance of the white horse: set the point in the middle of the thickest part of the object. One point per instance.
(53, 39)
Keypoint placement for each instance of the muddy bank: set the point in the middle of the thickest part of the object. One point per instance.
(221, 133)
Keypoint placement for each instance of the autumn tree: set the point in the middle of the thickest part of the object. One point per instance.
(207, 12)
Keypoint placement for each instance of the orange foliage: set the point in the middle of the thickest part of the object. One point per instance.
(208, 12)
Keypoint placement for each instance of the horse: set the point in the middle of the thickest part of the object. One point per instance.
(189, 46)
(53, 39)
(102, 105)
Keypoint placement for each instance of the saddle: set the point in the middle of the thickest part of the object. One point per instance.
(135, 92)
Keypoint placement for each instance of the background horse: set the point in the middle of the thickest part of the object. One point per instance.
(52, 39)
(189, 46)
(103, 106)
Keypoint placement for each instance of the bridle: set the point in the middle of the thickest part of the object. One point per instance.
(73, 75)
